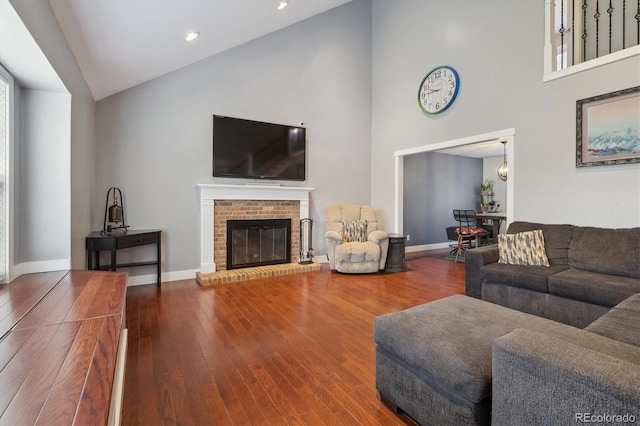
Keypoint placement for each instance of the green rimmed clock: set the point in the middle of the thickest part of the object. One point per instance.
(438, 89)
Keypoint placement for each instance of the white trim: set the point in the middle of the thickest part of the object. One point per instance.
(427, 247)
(8, 178)
(506, 134)
(456, 142)
(549, 48)
(136, 280)
(209, 193)
(41, 266)
(398, 195)
(593, 63)
(117, 391)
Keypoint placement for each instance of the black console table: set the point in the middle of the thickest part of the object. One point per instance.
(97, 242)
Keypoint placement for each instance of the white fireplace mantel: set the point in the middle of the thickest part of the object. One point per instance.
(209, 193)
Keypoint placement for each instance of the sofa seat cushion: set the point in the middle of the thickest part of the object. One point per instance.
(592, 287)
(529, 277)
(630, 304)
(621, 323)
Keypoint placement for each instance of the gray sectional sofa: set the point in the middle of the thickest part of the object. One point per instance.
(592, 270)
(569, 355)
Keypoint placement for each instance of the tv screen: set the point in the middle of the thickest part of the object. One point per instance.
(257, 150)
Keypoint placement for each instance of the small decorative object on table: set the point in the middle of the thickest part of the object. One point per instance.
(115, 212)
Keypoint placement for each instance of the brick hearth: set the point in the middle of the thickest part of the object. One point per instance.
(223, 277)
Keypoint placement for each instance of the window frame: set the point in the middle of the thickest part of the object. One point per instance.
(6, 276)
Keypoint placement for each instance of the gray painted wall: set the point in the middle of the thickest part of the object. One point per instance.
(351, 75)
(497, 48)
(154, 140)
(434, 185)
(45, 177)
(39, 19)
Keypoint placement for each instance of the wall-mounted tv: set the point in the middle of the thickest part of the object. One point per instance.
(257, 150)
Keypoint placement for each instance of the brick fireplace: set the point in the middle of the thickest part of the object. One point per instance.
(219, 203)
(225, 210)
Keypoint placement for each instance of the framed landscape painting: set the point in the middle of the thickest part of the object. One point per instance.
(608, 129)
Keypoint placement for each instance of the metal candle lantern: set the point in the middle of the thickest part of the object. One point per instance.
(306, 252)
(114, 213)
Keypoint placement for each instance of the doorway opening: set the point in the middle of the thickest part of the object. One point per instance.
(487, 145)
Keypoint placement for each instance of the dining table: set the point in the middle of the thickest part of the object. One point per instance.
(495, 219)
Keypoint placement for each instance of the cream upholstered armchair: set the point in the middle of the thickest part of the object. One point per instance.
(354, 242)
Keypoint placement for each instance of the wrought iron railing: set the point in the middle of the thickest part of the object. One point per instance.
(582, 30)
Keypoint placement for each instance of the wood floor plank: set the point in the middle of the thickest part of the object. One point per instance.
(22, 349)
(22, 294)
(294, 349)
(62, 401)
(28, 400)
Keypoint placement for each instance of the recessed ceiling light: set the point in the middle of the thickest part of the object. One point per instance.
(282, 5)
(192, 35)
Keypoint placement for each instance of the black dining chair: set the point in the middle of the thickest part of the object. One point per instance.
(468, 231)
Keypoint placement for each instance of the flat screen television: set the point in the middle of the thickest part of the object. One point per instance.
(257, 150)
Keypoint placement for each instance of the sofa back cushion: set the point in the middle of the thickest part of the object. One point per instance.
(556, 239)
(608, 251)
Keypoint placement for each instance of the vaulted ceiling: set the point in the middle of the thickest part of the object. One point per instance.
(122, 43)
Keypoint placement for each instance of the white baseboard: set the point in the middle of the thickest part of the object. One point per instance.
(165, 277)
(320, 258)
(41, 266)
(427, 247)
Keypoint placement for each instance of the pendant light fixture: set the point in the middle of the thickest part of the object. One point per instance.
(502, 169)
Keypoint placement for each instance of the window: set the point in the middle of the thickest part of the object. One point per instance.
(6, 90)
(582, 34)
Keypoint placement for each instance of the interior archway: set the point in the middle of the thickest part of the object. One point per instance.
(457, 147)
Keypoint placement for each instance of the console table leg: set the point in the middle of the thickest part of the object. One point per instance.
(159, 262)
(113, 260)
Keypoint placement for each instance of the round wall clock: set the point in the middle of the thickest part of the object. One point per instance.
(438, 89)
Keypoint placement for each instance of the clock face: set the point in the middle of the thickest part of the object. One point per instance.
(438, 89)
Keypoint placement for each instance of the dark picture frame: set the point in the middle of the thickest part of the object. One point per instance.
(608, 129)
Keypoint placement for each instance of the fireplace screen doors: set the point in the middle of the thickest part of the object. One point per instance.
(258, 242)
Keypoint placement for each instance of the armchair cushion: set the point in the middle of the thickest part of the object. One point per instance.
(354, 231)
(378, 236)
(334, 237)
(358, 253)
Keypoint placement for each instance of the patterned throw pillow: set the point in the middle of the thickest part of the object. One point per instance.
(524, 248)
(355, 230)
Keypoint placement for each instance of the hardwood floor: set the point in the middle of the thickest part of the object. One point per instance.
(19, 297)
(295, 349)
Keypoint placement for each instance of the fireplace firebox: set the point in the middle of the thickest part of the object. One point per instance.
(258, 242)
